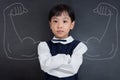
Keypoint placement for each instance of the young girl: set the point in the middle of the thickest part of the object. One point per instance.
(61, 57)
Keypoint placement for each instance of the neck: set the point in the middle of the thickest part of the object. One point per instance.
(61, 38)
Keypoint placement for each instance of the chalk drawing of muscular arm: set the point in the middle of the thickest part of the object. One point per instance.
(104, 47)
(15, 47)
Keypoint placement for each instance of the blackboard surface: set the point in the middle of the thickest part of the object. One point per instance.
(24, 23)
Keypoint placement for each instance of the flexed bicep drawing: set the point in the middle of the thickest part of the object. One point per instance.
(17, 48)
(104, 47)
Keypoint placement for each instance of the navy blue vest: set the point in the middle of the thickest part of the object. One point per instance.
(56, 48)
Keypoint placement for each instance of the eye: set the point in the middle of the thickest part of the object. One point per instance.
(55, 21)
(65, 21)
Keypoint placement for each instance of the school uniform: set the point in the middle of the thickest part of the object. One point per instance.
(61, 59)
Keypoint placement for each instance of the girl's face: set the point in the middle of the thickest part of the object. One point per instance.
(61, 25)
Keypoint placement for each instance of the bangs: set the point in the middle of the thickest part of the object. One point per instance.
(59, 13)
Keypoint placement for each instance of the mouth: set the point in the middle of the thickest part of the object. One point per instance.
(60, 31)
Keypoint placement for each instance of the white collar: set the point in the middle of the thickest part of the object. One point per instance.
(68, 40)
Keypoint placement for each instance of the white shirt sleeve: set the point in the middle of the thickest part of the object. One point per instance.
(49, 62)
(71, 67)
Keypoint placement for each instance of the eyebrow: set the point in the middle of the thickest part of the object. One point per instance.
(54, 18)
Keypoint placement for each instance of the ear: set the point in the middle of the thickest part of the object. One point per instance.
(72, 25)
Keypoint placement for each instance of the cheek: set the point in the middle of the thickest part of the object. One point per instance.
(67, 29)
(52, 26)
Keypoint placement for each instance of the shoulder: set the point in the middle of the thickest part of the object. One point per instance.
(42, 44)
(82, 44)
(76, 41)
(81, 47)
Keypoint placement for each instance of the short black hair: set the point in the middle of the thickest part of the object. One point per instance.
(57, 10)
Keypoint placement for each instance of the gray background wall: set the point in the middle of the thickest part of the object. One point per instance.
(24, 23)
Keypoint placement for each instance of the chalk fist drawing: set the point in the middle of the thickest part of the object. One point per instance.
(105, 46)
(15, 47)
(15, 9)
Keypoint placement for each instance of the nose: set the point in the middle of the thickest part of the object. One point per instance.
(60, 25)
